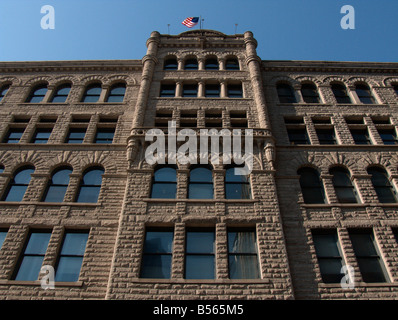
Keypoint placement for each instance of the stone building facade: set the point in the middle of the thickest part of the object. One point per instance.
(306, 117)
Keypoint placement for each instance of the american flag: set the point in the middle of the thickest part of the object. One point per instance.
(191, 22)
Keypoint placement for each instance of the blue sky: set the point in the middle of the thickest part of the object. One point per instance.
(118, 29)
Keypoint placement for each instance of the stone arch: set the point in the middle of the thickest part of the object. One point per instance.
(308, 79)
(101, 158)
(284, 79)
(368, 81)
(10, 80)
(334, 79)
(388, 82)
(13, 160)
(38, 80)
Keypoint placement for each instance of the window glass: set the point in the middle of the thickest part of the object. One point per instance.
(211, 64)
(234, 91)
(201, 183)
(3, 235)
(116, 93)
(232, 64)
(309, 93)
(311, 186)
(191, 64)
(157, 254)
(19, 184)
(92, 93)
(236, 186)
(14, 135)
(164, 183)
(388, 136)
(42, 135)
(90, 186)
(104, 135)
(298, 136)
(168, 90)
(326, 136)
(190, 90)
(32, 258)
(340, 93)
(37, 94)
(364, 95)
(212, 90)
(57, 186)
(3, 91)
(360, 136)
(343, 186)
(285, 93)
(76, 135)
(385, 191)
(61, 93)
(171, 64)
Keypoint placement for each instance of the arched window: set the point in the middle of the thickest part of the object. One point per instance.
(363, 93)
(3, 91)
(200, 183)
(57, 185)
(340, 93)
(211, 64)
(191, 64)
(92, 93)
(385, 191)
(232, 64)
(116, 93)
(309, 93)
(285, 93)
(343, 186)
(164, 183)
(61, 94)
(236, 186)
(18, 184)
(90, 185)
(311, 186)
(37, 94)
(170, 64)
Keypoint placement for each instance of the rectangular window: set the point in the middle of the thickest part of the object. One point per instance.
(326, 136)
(41, 135)
(199, 257)
(157, 254)
(234, 91)
(389, 136)
(368, 256)
(168, 90)
(104, 135)
(71, 256)
(242, 254)
(190, 90)
(14, 135)
(76, 135)
(329, 255)
(32, 258)
(360, 136)
(298, 136)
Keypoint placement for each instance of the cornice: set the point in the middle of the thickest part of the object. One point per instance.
(70, 66)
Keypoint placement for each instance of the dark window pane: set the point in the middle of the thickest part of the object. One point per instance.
(285, 93)
(104, 135)
(298, 136)
(364, 94)
(68, 269)
(234, 91)
(200, 191)
(343, 186)
(158, 242)
(309, 93)
(199, 267)
(190, 90)
(330, 270)
(311, 186)
(326, 136)
(382, 185)
(242, 242)
(232, 64)
(61, 94)
(76, 135)
(340, 93)
(201, 175)
(18, 185)
(41, 136)
(92, 93)
(243, 267)
(171, 64)
(55, 193)
(360, 136)
(388, 136)
(211, 64)
(93, 177)
(156, 266)
(3, 91)
(14, 135)
(164, 190)
(74, 243)
(88, 194)
(90, 186)
(37, 94)
(191, 64)
(116, 93)
(168, 90)
(33, 256)
(3, 235)
(212, 90)
(200, 242)
(236, 186)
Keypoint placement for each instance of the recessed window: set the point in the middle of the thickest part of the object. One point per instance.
(3, 234)
(14, 135)
(200, 183)
(242, 254)
(232, 64)
(329, 255)
(360, 136)
(340, 93)
(211, 64)
(71, 256)
(190, 90)
(3, 91)
(32, 258)
(41, 135)
(368, 257)
(389, 136)
(61, 93)
(92, 93)
(236, 186)
(37, 94)
(191, 64)
(116, 93)
(311, 185)
(234, 91)
(104, 135)
(76, 135)
(298, 136)
(168, 90)
(326, 136)
(200, 255)
(384, 190)
(212, 90)
(170, 64)
(396, 89)
(164, 183)
(343, 186)
(364, 94)
(309, 93)
(56, 188)
(285, 93)
(90, 185)
(19, 183)
(157, 253)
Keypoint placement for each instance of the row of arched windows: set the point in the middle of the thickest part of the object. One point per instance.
(309, 93)
(60, 94)
(88, 191)
(313, 190)
(200, 185)
(210, 63)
